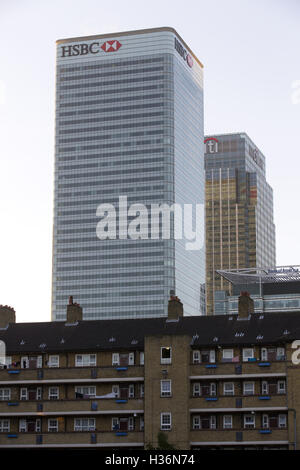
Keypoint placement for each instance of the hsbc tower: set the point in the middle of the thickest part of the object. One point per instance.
(129, 122)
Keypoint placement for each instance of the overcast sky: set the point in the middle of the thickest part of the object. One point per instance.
(250, 51)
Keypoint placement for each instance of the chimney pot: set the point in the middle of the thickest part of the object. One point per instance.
(74, 311)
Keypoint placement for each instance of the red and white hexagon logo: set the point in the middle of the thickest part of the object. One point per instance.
(111, 46)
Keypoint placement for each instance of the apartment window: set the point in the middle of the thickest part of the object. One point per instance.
(280, 354)
(166, 355)
(264, 354)
(196, 357)
(52, 425)
(196, 422)
(85, 392)
(131, 359)
(115, 424)
(53, 361)
(248, 388)
(85, 360)
(265, 388)
(227, 421)
(142, 423)
(228, 389)
(53, 393)
(249, 421)
(282, 421)
(227, 354)
(196, 390)
(116, 390)
(84, 424)
(165, 421)
(4, 425)
(248, 353)
(131, 391)
(22, 425)
(165, 388)
(213, 422)
(4, 394)
(116, 359)
(130, 424)
(213, 389)
(265, 422)
(23, 394)
(281, 386)
(142, 358)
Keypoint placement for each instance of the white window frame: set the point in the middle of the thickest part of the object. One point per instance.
(247, 356)
(252, 388)
(84, 424)
(22, 425)
(282, 420)
(89, 390)
(228, 352)
(281, 390)
(196, 422)
(53, 393)
(196, 389)
(116, 390)
(264, 354)
(4, 425)
(165, 426)
(5, 394)
(212, 356)
(227, 425)
(52, 425)
(250, 425)
(213, 422)
(265, 421)
(280, 353)
(39, 362)
(142, 358)
(196, 357)
(39, 393)
(25, 360)
(165, 360)
(142, 390)
(87, 360)
(265, 387)
(165, 393)
(115, 359)
(131, 359)
(213, 389)
(53, 360)
(115, 424)
(131, 423)
(23, 393)
(131, 391)
(228, 393)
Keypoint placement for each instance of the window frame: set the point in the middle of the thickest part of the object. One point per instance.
(165, 426)
(52, 428)
(225, 425)
(225, 393)
(84, 356)
(54, 364)
(246, 359)
(252, 383)
(166, 360)
(168, 393)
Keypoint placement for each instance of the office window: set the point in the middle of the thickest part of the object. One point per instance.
(248, 388)
(228, 388)
(248, 353)
(166, 355)
(52, 425)
(4, 394)
(85, 360)
(84, 424)
(249, 421)
(165, 388)
(53, 393)
(4, 425)
(227, 421)
(165, 421)
(53, 361)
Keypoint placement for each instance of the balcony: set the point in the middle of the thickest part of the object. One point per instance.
(69, 439)
(69, 407)
(238, 402)
(71, 374)
(239, 368)
(237, 436)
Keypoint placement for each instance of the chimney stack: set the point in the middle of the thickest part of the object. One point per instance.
(246, 305)
(7, 315)
(175, 307)
(74, 311)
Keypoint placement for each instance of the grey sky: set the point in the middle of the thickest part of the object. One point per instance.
(250, 51)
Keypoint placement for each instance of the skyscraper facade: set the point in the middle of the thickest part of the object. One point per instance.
(240, 230)
(129, 122)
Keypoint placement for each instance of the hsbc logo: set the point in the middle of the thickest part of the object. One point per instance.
(184, 54)
(111, 46)
(93, 48)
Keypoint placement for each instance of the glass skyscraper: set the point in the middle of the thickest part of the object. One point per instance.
(129, 122)
(240, 231)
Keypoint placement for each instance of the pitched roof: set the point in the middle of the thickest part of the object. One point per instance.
(129, 334)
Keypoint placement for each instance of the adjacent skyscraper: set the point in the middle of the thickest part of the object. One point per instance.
(240, 231)
(129, 122)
